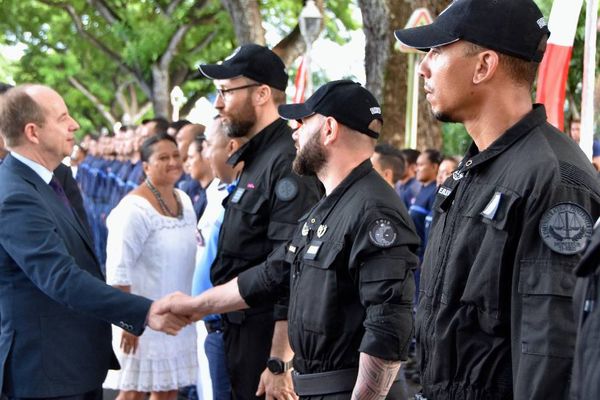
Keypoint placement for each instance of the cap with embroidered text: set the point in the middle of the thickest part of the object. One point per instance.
(512, 27)
(348, 102)
(252, 61)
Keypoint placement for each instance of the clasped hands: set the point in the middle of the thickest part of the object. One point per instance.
(173, 312)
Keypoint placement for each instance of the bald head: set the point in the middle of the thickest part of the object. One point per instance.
(20, 106)
(34, 120)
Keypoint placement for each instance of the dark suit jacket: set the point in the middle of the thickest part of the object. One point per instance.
(65, 176)
(55, 337)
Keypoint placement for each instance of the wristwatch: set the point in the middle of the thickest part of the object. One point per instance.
(278, 366)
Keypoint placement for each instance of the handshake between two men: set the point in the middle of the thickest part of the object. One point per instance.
(175, 311)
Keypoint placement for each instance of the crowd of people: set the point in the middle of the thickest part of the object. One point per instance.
(316, 263)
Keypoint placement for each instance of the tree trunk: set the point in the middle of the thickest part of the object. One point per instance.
(430, 130)
(161, 89)
(246, 20)
(387, 68)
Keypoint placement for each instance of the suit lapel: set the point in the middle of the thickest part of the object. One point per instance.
(50, 199)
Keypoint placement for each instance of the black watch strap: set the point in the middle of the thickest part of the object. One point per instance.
(277, 366)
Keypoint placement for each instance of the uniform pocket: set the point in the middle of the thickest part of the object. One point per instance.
(547, 325)
(318, 290)
(486, 284)
(247, 237)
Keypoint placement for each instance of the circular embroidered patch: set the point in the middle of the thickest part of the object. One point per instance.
(286, 189)
(382, 233)
(566, 228)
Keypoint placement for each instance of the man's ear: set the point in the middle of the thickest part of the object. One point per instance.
(330, 131)
(32, 133)
(232, 146)
(262, 94)
(486, 66)
(388, 174)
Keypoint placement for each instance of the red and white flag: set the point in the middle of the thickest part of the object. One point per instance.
(300, 83)
(552, 77)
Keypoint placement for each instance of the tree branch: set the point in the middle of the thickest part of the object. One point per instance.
(290, 47)
(167, 56)
(143, 110)
(120, 97)
(190, 103)
(99, 106)
(203, 43)
(105, 11)
(172, 6)
(97, 43)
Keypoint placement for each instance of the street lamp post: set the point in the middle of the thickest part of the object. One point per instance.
(310, 26)
(177, 100)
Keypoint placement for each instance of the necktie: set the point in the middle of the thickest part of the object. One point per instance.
(56, 186)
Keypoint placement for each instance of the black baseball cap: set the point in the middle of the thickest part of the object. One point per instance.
(513, 27)
(252, 61)
(348, 102)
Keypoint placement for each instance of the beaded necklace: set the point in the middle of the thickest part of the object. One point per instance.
(162, 204)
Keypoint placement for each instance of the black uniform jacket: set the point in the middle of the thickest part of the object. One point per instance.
(264, 209)
(586, 366)
(495, 318)
(352, 259)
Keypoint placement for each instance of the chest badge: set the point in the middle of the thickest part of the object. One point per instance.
(237, 195)
(566, 228)
(458, 175)
(321, 231)
(305, 229)
(382, 233)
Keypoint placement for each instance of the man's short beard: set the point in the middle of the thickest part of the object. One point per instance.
(239, 125)
(440, 116)
(236, 129)
(311, 158)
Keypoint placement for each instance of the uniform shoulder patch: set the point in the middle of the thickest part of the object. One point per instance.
(566, 228)
(286, 189)
(382, 233)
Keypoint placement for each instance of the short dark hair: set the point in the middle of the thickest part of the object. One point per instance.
(198, 142)
(434, 156)
(518, 69)
(18, 109)
(4, 87)
(147, 148)
(177, 125)
(161, 124)
(410, 155)
(392, 158)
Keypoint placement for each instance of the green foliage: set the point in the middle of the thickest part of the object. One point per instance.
(455, 138)
(56, 51)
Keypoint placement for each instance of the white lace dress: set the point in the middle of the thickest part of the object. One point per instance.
(154, 255)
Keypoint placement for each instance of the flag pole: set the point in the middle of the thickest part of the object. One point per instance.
(589, 71)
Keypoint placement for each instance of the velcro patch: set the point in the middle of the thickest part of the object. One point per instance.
(382, 233)
(566, 228)
(286, 189)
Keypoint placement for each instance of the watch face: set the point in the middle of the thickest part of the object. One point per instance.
(275, 366)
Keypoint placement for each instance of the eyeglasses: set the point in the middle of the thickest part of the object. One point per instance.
(223, 92)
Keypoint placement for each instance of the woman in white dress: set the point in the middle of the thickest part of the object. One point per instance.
(151, 252)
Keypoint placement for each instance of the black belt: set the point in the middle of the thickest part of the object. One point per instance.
(215, 325)
(329, 382)
(237, 317)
